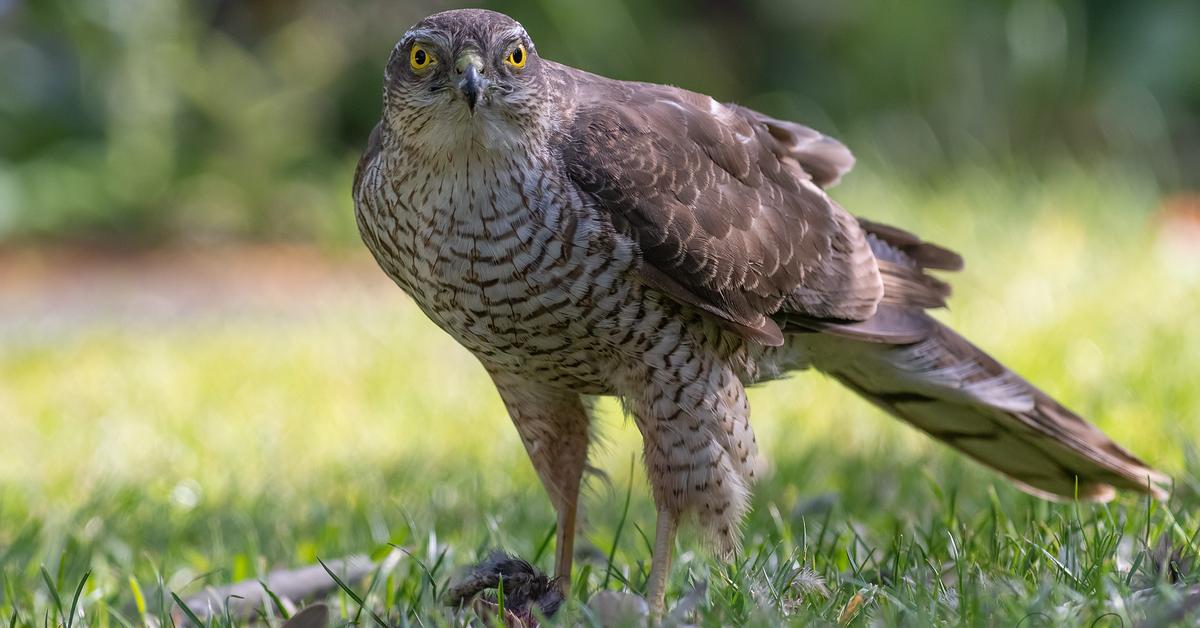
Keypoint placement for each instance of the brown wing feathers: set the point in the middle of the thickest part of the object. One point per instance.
(902, 259)
(822, 158)
(712, 197)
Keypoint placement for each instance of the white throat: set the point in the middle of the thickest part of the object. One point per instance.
(454, 129)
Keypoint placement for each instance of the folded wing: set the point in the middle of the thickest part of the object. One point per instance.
(725, 204)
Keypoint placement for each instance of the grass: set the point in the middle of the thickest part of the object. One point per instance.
(140, 462)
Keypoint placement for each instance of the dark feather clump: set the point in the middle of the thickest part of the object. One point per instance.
(528, 592)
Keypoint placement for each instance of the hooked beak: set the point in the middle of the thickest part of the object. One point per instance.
(472, 85)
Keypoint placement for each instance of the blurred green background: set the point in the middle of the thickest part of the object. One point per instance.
(139, 120)
(203, 376)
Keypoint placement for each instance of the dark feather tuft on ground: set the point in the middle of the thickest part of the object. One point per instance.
(528, 593)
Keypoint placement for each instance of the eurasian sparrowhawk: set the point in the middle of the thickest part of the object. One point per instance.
(587, 236)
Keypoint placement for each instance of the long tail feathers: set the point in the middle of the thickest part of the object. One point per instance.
(952, 390)
(917, 369)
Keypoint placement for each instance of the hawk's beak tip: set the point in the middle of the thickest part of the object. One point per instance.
(472, 85)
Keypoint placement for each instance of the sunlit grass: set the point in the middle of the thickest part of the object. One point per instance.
(216, 449)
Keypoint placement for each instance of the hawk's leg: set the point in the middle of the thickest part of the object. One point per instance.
(700, 453)
(660, 565)
(553, 424)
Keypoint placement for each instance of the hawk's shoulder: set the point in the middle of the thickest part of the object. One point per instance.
(725, 203)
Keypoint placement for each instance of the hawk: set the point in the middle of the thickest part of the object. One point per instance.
(585, 236)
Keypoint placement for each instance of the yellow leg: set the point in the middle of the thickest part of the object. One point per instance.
(565, 546)
(660, 564)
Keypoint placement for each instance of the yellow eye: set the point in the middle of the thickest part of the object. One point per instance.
(419, 58)
(517, 57)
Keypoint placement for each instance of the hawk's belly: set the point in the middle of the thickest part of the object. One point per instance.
(537, 308)
(526, 282)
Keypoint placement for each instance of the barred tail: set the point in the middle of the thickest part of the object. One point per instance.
(955, 392)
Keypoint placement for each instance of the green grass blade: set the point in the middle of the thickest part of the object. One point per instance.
(541, 550)
(53, 591)
(120, 617)
(500, 597)
(139, 599)
(75, 599)
(274, 600)
(370, 588)
(350, 592)
(428, 574)
(186, 610)
(612, 553)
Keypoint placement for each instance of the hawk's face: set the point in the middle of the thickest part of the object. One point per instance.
(467, 73)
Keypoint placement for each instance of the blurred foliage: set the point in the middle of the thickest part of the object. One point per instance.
(208, 119)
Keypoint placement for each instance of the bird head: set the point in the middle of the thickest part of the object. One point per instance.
(467, 72)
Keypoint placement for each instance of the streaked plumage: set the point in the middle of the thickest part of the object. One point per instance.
(586, 236)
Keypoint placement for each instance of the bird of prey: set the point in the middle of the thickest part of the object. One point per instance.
(586, 236)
